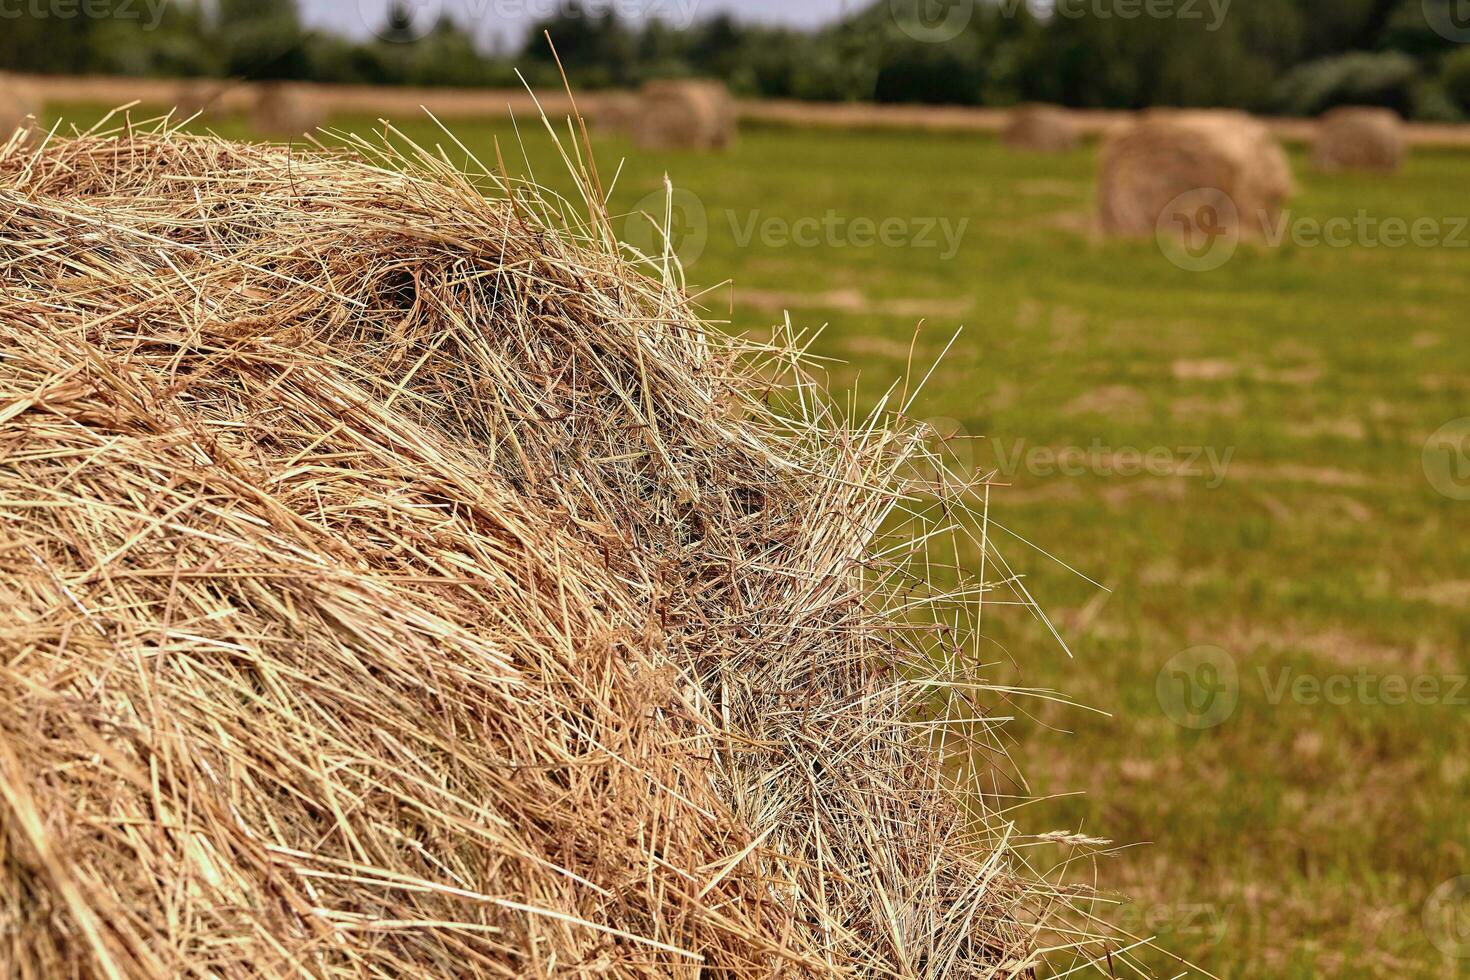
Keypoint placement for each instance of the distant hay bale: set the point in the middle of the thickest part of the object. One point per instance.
(1161, 156)
(398, 585)
(283, 111)
(692, 114)
(1041, 128)
(1360, 138)
(198, 97)
(18, 102)
(615, 112)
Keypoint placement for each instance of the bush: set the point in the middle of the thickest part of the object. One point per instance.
(1357, 78)
(1454, 76)
(1433, 104)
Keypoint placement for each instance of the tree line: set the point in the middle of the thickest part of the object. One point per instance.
(1296, 57)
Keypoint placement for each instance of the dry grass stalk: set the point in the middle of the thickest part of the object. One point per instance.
(396, 579)
(280, 110)
(1042, 129)
(1149, 163)
(695, 114)
(1360, 138)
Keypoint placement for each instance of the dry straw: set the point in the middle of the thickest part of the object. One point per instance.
(399, 579)
(1041, 129)
(1360, 138)
(1148, 164)
(695, 114)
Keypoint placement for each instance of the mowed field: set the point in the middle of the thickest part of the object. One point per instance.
(1238, 455)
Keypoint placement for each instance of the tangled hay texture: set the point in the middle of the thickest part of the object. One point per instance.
(396, 580)
(1360, 138)
(695, 114)
(1041, 129)
(1148, 164)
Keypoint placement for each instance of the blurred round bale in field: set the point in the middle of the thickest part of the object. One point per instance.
(615, 112)
(18, 102)
(1164, 156)
(283, 111)
(1360, 138)
(1041, 129)
(197, 97)
(695, 114)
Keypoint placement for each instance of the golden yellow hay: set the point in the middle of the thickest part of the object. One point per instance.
(615, 112)
(280, 110)
(198, 97)
(397, 579)
(1360, 138)
(1149, 163)
(1041, 128)
(693, 114)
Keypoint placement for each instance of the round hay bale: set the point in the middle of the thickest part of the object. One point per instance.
(1041, 129)
(432, 592)
(198, 97)
(1360, 138)
(18, 103)
(281, 110)
(1157, 159)
(694, 114)
(615, 112)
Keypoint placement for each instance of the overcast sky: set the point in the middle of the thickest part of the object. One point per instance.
(507, 19)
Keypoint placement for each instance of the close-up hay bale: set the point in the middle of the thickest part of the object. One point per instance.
(18, 103)
(1359, 138)
(280, 110)
(1150, 163)
(695, 114)
(1041, 129)
(395, 583)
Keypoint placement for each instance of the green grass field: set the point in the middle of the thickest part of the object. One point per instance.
(1284, 512)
